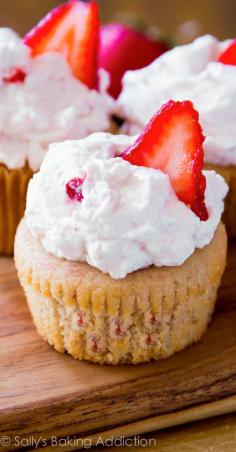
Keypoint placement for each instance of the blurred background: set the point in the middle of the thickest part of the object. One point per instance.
(181, 19)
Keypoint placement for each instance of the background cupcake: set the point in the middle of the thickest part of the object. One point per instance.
(204, 72)
(50, 90)
(121, 250)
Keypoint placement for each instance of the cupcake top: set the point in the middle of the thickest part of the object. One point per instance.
(197, 72)
(124, 203)
(45, 95)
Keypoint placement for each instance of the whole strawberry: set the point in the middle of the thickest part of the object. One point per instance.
(123, 48)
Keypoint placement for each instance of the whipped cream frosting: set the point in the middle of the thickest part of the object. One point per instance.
(50, 105)
(129, 218)
(189, 72)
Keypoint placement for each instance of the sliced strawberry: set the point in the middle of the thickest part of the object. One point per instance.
(173, 142)
(73, 30)
(229, 55)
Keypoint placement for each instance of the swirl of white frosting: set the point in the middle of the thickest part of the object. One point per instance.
(187, 72)
(50, 105)
(129, 218)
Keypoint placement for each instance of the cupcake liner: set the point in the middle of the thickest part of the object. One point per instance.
(229, 217)
(150, 314)
(13, 187)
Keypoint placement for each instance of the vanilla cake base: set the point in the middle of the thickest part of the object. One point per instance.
(150, 314)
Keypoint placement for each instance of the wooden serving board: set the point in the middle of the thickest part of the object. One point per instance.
(44, 393)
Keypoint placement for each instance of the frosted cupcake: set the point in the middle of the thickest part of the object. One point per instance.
(49, 91)
(121, 250)
(203, 72)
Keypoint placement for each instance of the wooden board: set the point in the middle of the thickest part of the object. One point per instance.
(211, 435)
(43, 393)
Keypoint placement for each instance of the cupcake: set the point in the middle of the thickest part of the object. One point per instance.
(50, 91)
(203, 72)
(121, 250)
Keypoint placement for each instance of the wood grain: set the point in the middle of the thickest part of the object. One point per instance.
(213, 435)
(45, 393)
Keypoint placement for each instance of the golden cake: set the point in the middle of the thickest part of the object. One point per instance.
(50, 91)
(150, 314)
(204, 72)
(121, 250)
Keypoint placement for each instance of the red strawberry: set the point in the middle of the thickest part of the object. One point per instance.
(229, 55)
(71, 29)
(173, 142)
(74, 189)
(16, 76)
(123, 48)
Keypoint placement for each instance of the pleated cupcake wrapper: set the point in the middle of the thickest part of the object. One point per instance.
(127, 321)
(229, 217)
(13, 187)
